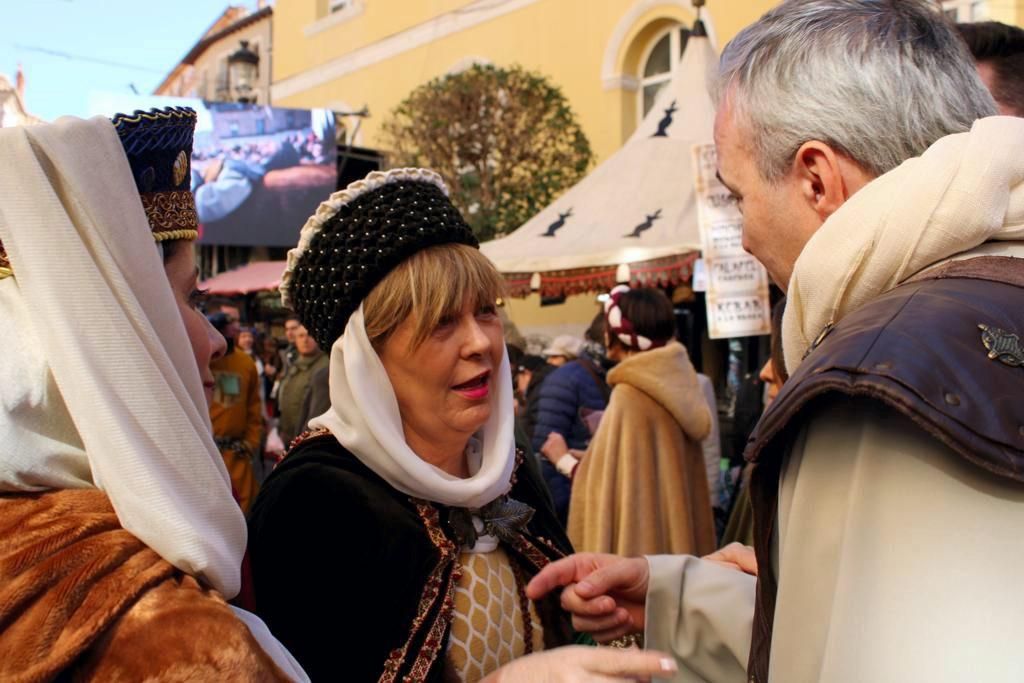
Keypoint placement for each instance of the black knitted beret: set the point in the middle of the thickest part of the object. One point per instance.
(357, 237)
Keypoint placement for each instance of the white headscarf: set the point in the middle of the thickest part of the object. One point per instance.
(964, 191)
(365, 419)
(99, 385)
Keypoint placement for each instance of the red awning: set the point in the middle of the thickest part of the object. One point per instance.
(259, 276)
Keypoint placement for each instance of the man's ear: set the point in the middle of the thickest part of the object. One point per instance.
(822, 176)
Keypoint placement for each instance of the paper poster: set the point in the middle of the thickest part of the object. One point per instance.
(737, 284)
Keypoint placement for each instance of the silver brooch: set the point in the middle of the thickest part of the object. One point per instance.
(503, 518)
(1002, 346)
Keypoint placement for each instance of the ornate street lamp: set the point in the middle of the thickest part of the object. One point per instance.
(243, 66)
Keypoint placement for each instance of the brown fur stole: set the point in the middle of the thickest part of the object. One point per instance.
(82, 597)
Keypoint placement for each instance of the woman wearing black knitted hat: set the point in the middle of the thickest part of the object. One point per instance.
(395, 540)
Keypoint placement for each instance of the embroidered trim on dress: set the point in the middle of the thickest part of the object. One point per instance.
(530, 552)
(435, 637)
(436, 584)
(432, 643)
(524, 606)
(515, 469)
(306, 436)
(551, 546)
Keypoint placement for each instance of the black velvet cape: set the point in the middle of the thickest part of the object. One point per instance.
(356, 578)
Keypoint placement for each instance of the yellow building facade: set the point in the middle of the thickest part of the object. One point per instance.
(373, 53)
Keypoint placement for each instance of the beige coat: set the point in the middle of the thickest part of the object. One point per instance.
(897, 561)
(642, 487)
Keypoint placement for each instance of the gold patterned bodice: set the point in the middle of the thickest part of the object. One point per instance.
(488, 629)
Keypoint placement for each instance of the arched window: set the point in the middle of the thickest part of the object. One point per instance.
(660, 62)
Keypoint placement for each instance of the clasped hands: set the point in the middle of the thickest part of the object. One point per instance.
(607, 594)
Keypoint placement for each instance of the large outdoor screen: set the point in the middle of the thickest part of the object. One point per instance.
(258, 172)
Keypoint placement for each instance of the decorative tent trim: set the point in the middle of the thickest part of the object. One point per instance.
(662, 272)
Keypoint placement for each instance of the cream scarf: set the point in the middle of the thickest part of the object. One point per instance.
(965, 190)
(98, 385)
(365, 419)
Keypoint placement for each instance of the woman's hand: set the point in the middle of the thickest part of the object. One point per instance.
(735, 556)
(554, 447)
(579, 664)
(606, 594)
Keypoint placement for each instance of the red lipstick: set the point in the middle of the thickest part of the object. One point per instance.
(476, 389)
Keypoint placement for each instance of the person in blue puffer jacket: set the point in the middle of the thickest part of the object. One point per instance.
(577, 385)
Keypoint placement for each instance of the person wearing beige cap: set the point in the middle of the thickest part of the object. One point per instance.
(563, 349)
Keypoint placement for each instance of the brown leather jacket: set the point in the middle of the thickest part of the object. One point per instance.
(922, 350)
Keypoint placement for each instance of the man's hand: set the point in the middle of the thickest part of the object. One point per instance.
(605, 594)
(578, 664)
(735, 556)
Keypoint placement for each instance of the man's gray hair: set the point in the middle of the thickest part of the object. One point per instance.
(879, 80)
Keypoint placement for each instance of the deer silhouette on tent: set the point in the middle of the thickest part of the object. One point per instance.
(557, 225)
(666, 121)
(646, 225)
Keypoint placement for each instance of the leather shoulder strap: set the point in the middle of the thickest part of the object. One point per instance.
(923, 349)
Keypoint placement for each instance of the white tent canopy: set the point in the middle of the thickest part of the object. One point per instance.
(638, 208)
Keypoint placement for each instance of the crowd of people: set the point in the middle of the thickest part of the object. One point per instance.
(266, 390)
(447, 508)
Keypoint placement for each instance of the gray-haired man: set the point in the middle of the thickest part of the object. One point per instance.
(877, 188)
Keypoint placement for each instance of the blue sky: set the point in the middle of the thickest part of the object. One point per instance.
(114, 44)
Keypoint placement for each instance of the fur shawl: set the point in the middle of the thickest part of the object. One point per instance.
(83, 598)
(642, 488)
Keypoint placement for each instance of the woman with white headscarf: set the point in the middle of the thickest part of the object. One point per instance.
(119, 537)
(395, 540)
